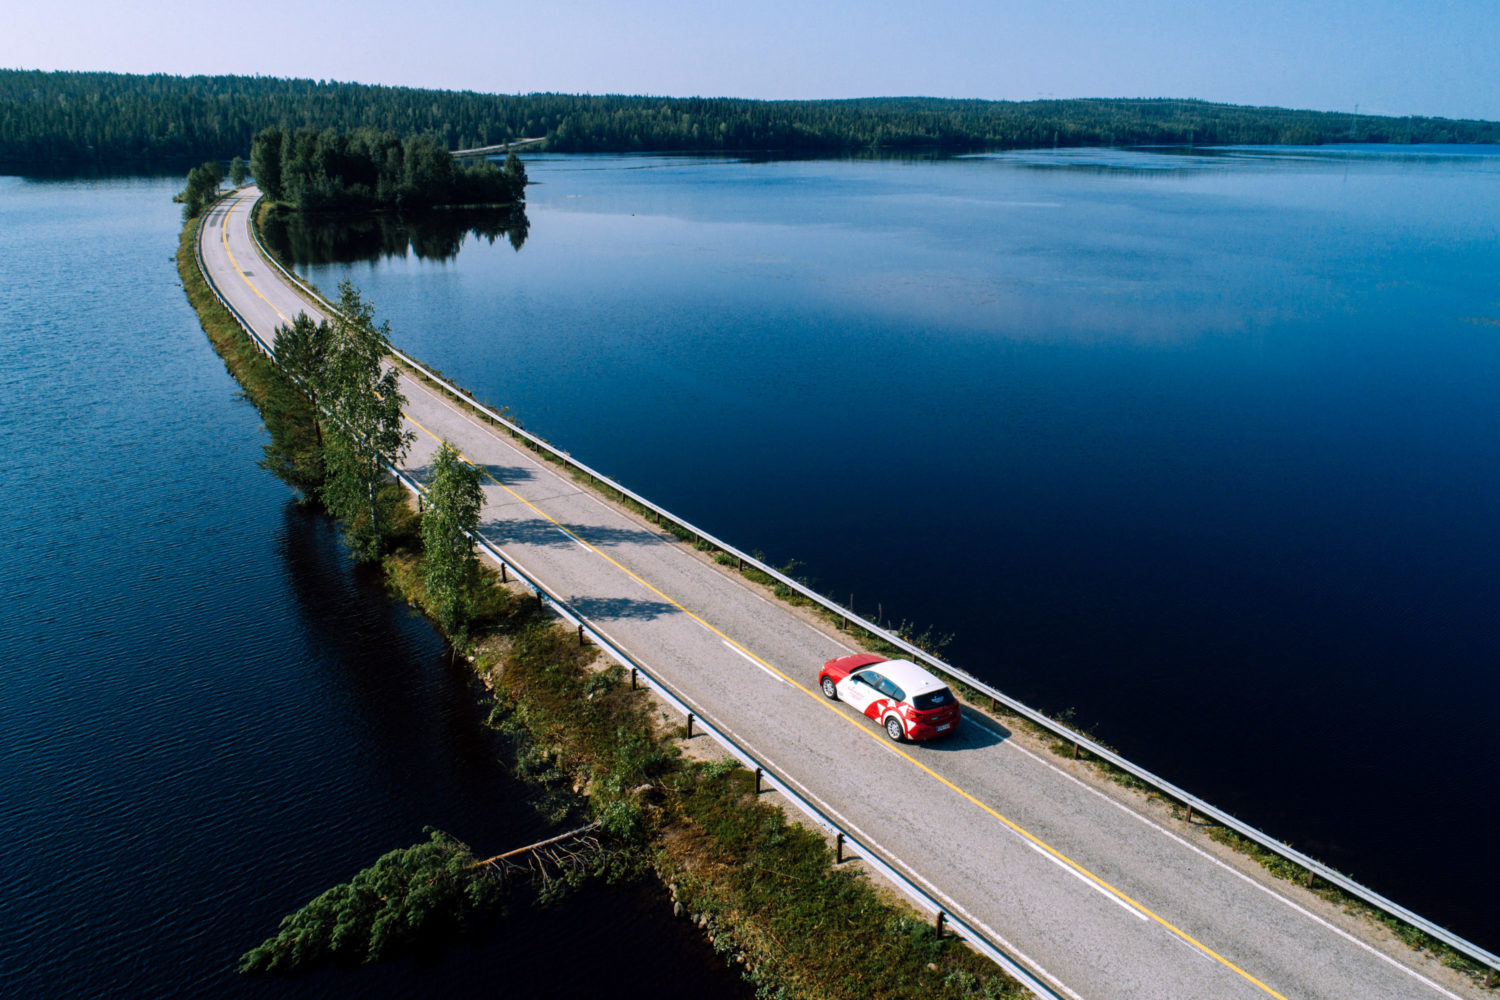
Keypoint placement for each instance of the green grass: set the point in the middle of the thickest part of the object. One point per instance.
(769, 891)
(252, 369)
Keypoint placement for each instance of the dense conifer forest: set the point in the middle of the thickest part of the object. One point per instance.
(333, 171)
(69, 121)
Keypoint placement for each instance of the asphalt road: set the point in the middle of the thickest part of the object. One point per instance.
(1099, 895)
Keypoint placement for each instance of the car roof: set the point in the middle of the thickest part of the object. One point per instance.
(907, 676)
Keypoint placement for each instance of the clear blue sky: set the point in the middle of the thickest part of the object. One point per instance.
(1428, 57)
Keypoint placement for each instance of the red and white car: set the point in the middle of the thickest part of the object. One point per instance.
(906, 700)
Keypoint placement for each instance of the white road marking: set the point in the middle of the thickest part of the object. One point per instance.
(572, 537)
(741, 653)
(1268, 890)
(1091, 884)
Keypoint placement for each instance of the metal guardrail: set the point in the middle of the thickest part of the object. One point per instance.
(1195, 804)
(265, 348)
(559, 606)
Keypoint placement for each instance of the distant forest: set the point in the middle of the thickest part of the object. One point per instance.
(64, 122)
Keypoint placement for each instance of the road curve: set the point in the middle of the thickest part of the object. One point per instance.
(1073, 878)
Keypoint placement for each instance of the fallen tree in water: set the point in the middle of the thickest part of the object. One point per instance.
(426, 892)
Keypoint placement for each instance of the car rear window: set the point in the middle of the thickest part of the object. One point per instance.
(940, 698)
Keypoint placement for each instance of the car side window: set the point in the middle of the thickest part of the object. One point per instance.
(890, 690)
(871, 678)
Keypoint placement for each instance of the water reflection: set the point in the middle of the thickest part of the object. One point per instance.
(1139, 161)
(333, 239)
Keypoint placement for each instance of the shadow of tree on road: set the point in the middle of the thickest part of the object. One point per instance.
(509, 475)
(610, 536)
(540, 531)
(615, 608)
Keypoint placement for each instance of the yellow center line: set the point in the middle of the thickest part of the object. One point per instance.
(817, 697)
(224, 234)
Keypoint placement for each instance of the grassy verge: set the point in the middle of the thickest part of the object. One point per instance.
(252, 369)
(766, 892)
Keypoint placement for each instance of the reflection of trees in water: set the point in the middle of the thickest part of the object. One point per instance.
(333, 239)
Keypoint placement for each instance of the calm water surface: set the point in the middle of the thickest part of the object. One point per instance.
(206, 717)
(1202, 446)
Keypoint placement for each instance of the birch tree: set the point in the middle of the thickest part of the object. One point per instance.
(363, 433)
(449, 566)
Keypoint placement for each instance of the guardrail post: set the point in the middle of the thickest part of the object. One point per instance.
(632, 678)
(1075, 751)
(541, 599)
(580, 633)
(503, 578)
(1190, 815)
(838, 848)
(690, 726)
(942, 920)
(758, 775)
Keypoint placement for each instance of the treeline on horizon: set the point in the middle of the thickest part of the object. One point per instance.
(325, 170)
(73, 121)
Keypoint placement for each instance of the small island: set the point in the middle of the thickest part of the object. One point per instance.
(365, 170)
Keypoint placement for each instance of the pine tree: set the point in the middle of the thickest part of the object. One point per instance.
(265, 161)
(515, 177)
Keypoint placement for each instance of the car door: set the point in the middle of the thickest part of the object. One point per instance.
(859, 690)
(888, 697)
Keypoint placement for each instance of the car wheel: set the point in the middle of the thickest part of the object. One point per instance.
(893, 729)
(829, 689)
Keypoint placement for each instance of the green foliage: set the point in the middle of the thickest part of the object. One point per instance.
(72, 121)
(364, 434)
(202, 185)
(331, 171)
(295, 454)
(777, 891)
(449, 568)
(265, 161)
(238, 171)
(408, 896)
(303, 351)
(515, 173)
(769, 886)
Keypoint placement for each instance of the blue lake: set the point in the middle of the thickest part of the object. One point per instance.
(206, 715)
(1203, 446)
